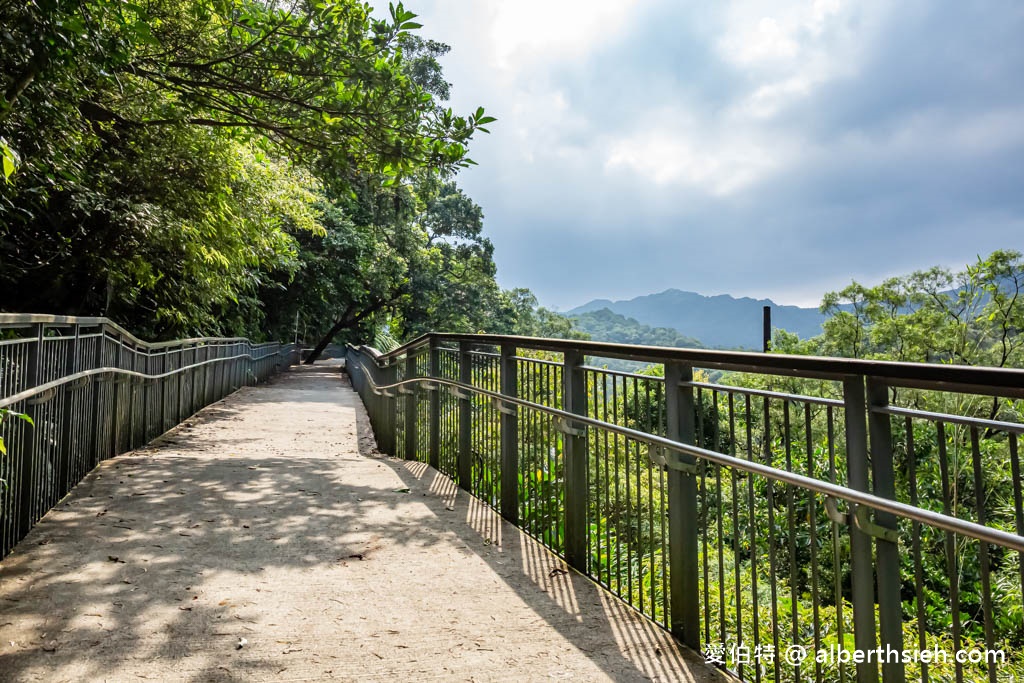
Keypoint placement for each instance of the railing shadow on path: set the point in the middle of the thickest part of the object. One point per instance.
(156, 561)
(580, 611)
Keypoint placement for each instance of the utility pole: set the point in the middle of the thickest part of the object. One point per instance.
(766, 330)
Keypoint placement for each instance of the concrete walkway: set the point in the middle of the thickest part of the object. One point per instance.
(266, 539)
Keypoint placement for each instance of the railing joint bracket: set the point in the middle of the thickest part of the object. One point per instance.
(459, 393)
(562, 425)
(662, 456)
(502, 407)
(860, 517)
(863, 522)
(39, 399)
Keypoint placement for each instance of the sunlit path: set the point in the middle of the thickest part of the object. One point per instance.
(265, 538)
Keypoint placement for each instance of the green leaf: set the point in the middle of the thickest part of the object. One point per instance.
(10, 160)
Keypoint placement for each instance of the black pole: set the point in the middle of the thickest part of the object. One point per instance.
(767, 328)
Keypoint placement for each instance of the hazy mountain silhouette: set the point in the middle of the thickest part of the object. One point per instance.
(721, 321)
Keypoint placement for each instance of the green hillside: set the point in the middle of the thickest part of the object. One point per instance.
(605, 325)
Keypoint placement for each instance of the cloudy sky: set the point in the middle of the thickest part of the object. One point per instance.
(769, 149)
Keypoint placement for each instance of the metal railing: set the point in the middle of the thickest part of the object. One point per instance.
(796, 502)
(90, 391)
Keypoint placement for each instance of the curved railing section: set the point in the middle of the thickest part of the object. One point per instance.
(755, 505)
(76, 391)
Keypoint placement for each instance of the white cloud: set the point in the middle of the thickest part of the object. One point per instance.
(732, 129)
(718, 164)
(787, 49)
(754, 45)
(527, 31)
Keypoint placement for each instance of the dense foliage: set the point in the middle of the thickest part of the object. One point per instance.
(974, 316)
(237, 167)
(609, 326)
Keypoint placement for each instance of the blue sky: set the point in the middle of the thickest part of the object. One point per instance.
(769, 149)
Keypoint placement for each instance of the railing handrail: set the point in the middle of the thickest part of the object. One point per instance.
(942, 377)
(32, 392)
(923, 515)
(26, 319)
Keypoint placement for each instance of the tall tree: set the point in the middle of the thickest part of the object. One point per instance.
(154, 153)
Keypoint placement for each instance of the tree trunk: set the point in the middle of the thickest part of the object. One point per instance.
(348, 320)
(327, 339)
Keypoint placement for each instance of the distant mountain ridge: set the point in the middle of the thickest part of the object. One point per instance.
(720, 321)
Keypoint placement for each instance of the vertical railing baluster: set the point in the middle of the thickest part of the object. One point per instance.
(683, 547)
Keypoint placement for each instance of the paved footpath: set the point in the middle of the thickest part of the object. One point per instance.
(266, 539)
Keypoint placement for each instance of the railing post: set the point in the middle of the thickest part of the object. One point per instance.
(129, 391)
(207, 352)
(377, 412)
(410, 408)
(887, 553)
(165, 356)
(218, 373)
(684, 554)
(509, 437)
(147, 397)
(861, 569)
(391, 409)
(137, 393)
(116, 409)
(194, 374)
(97, 385)
(31, 437)
(435, 407)
(178, 382)
(574, 400)
(71, 366)
(464, 466)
